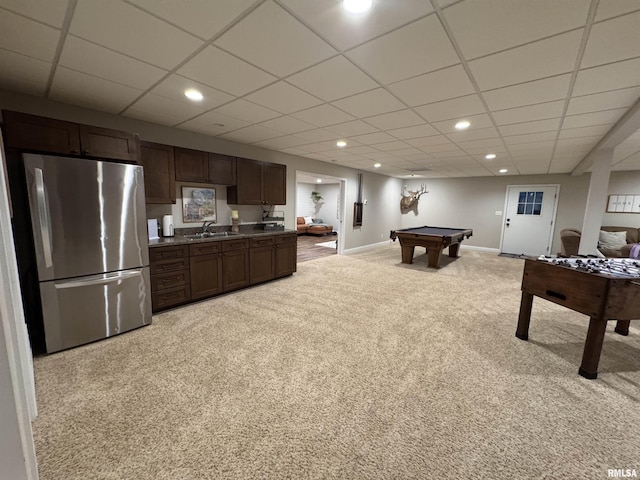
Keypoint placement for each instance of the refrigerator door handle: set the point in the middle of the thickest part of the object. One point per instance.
(100, 279)
(43, 217)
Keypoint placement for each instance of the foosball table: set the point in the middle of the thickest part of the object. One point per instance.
(603, 289)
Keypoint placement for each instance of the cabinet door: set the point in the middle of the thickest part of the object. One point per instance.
(248, 189)
(106, 143)
(30, 132)
(235, 269)
(274, 184)
(286, 255)
(206, 275)
(262, 259)
(222, 169)
(191, 165)
(159, 175)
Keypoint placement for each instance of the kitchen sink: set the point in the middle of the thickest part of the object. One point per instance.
(210, 235)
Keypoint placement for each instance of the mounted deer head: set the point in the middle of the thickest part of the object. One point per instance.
(408, 201)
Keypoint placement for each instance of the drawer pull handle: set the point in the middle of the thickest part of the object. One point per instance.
(551, 293)
(173, 295)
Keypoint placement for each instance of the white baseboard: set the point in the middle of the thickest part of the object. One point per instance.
(365, 247)
(480, 249)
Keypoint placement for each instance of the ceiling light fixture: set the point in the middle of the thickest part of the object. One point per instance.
(463, 125)
(490, 156)
(319, 180)
(503, 170)
(341, 143)
(377, 165)
(193, 94)
(357, 6)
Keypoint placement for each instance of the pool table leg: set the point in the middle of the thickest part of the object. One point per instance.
(592, 348)
(453, 250)
(622, 327)
(433, 254)
(526, 302)
(407, 254)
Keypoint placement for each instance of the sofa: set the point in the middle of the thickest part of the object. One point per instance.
(312, 226)
(608, 245)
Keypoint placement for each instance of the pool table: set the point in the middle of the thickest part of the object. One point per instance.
(434, 239)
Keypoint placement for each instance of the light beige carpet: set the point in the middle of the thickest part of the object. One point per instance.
(356, 367)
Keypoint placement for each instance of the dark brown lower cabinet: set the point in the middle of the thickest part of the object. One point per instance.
(205, 265)
(235, 264)
(262, 259)
(170, 283)
(286, 254)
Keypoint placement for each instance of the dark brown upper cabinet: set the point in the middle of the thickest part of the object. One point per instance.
(204, 167)
(159, 175)
(258, 183)
(41, 134)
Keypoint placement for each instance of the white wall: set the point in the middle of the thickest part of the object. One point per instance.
(623, 183)
(325, 209)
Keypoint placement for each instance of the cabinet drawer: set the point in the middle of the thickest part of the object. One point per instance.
(204, 248)
(164, 266)
(169, 280)
(166, 253)
(230, 245)
(293, 238)
(262, 241)
(170, 296)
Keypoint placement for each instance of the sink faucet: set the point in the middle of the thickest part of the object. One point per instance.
(205, 225)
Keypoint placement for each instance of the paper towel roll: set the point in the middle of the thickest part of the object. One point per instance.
(167, 226)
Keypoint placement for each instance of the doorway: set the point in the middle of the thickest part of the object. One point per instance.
(530, 215)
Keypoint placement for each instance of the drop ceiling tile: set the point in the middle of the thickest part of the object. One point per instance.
(283, 98)
(402, 54)
(399, 119)
(86, 57)
(174, 86)
(203, 19)
(15, 29)
(527, 114)
(455, 108)
(346, 30)
(230, 75)
(530, 138)
(617, 39)
(436, 150)
(433, 87)
(247, 111)
(548, 125)
(286, 124)
(529, 62)
(251, 134)
(213, 123)
(498, 25)
(391, 146)
(585, 142)
(429, 141)
(161, 45)
(374, 138)
(593, 130)
(595, 118)
(162, 110)
(318, 135)
(477, 121)
(78, 88)
(323, 116)
(280, 143)
(369, 103)
(613, 8)
(284, 45)
(529, 93)
(51, 12)
(607, 77)
(293, 151)
(541, 146)
(473, 145)
(23, 74)
(345, 79)
(352, 128)
(361, 150)
(416, 131)
(473, 134)
(625, 97)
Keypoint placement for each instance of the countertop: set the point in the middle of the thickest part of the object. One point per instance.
(180, 240)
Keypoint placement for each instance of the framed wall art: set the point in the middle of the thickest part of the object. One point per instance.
(198, 204)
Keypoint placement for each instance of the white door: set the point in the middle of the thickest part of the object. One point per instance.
(529, 219)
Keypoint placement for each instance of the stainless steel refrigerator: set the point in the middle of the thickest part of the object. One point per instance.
(90, 238)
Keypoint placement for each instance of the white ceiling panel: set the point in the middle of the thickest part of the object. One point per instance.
(286, 124)
(374, 138)
(527, 114)
(530, 138)
(616, 39)
(16, 29)
(251, 134)
(230, 74)
(415, 131)
(213, 123)
(429, 141)
(352, 128)
(625, 97)
(613, 8)
(161, 45)
(529, 62)
(401, 54)
(509, 24)
(281, 143)
(333, 79)
(476, 121)
(247, 111)
(595, 130)
(473, 134)
(51, 12)
(529, 93)
(551, 124)
(174, 86)
(23, 74)
(284, 45)
(607, 77)
(455, 108)
(444, 84)
(162, 110)
(318, 135)
(367, 104)
(393, 120)
(595, 118)
(323, 116)
(283, 98)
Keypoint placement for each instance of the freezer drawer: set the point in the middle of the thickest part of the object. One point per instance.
(84, 309)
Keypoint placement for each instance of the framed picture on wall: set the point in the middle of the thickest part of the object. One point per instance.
(198, 204)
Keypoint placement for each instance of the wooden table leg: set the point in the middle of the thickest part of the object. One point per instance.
(433, 254)
(407, 254)
(526, 302)
(592, 348)
(622, 327)
(453, 250)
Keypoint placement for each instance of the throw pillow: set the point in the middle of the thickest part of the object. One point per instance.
(308, 220)
(612, 239)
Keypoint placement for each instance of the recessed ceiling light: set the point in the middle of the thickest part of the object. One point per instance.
(377, 165)
(490, 156)
(193, 94)
(341, 143)
(319, 180)
(503, 170)
(463, 125)
(357, 6)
